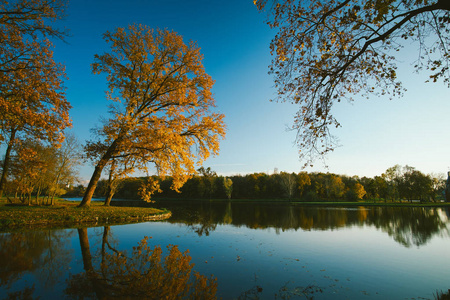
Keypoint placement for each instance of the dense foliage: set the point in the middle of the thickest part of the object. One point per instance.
(32, 98)
(162, 108)
(396, 183)
(41, 170)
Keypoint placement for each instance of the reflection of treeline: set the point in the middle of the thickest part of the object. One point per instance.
(406, 225)
(396, 183)
(43, 253)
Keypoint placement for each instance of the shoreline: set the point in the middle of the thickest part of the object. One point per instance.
(66, 214)
(305, 203)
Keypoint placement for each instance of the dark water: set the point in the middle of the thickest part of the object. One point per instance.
(255, 251)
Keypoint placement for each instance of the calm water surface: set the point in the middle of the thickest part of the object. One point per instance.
(256, 251)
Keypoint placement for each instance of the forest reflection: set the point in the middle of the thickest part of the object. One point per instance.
(142, 274)
(409, 226)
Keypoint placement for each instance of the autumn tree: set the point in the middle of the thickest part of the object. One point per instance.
(303, 180)
(32, 100)
(161, 105)
(41, 169)
(334, 186)
(328, 51)
(355, 192)
(65, 161)
(27, 166)
(393, 177)
(288, 183)
(209, 178)
(228, 186)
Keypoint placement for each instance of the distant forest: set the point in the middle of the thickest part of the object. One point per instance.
(397, 183)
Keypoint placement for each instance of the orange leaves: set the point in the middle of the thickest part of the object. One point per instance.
(32, 95)
(146, 273)
(149, 188)
(162, 106)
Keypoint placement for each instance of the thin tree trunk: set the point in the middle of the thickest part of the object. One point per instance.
(7, 160)
(37, 195)
(110, 191)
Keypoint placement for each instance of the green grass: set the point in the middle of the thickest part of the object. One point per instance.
(67, 214)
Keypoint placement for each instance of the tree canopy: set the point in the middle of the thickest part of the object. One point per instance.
(32, 99)
(161, 111)
(32, 93)
(328, 51)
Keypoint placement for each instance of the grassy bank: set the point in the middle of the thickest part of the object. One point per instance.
(67, 214)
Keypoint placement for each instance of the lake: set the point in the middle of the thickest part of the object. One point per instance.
(254, 250)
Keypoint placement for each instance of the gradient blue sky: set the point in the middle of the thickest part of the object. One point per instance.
(375, 134)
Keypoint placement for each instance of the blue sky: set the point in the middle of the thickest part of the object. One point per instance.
(376, 133)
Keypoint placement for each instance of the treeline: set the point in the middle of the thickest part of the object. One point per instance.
(397, 183)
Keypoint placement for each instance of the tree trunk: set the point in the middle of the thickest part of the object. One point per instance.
(111, 190)
(100, 287)
(86, 202)
(37, 195)
(7, 161)
(85, 250)
(109, 195)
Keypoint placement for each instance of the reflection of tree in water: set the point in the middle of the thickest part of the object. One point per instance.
(407, 225)
(202, 220)
(43, 252)
(144, 274)
(441, 295)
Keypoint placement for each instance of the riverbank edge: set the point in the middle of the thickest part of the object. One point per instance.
(66, 214)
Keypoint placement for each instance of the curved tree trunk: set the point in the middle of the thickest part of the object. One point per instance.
(109, 195)
(86, 202)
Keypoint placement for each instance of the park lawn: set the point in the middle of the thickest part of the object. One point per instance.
(67, 214)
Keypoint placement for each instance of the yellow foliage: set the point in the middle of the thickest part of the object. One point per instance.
(162, 104)
(32, 94)
(145, 274)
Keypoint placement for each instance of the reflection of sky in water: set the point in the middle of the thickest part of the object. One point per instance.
(354, 262)
(348, 261)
